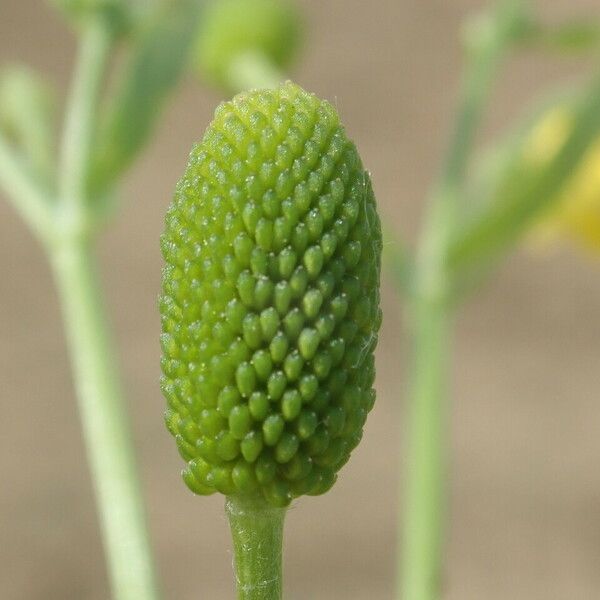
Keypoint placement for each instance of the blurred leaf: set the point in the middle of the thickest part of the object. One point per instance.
(527, 193)
(569, 38)
(499, 163)
(27, 116)
(575, 36)
(153, 67)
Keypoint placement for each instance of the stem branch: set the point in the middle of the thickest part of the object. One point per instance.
(81, 115)
(67, 234)
(23, 191)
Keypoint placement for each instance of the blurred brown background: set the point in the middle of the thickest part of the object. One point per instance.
(525, 437)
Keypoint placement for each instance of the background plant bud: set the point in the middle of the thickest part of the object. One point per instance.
(231, 28)
(270, 299)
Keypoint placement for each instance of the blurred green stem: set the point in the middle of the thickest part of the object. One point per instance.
(425, 494)
(257, 533)
(106, 430)
(81, 116)
(66, 220)
(398, 259)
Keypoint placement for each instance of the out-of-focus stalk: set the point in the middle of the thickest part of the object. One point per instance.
(425, 494)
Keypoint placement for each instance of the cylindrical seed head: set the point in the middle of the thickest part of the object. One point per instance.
(270, 299)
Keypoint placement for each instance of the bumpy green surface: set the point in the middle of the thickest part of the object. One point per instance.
(270, 302)
(229, 28)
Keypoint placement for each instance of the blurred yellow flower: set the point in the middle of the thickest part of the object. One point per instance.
(576, 214)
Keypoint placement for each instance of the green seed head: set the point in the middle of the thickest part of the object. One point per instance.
(270, 299)
(230, 29)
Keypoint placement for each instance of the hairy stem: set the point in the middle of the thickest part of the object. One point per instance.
(257, 532)
(105, 426)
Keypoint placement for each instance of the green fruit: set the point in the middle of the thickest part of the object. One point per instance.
(270, 299)
(232, 28)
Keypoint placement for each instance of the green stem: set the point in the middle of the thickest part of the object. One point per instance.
(252, 70)
(65, 228)
(425, 496)
(104, 421)
(424, 507)
(81, 115)
(397, 258)
(488, 38)
(257, 532)
(105, 426)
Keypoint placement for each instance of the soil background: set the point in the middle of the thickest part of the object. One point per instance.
(524, 441)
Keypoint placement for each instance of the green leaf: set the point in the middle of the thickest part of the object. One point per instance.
(496, 227)
(152, 69)
(497, 164)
